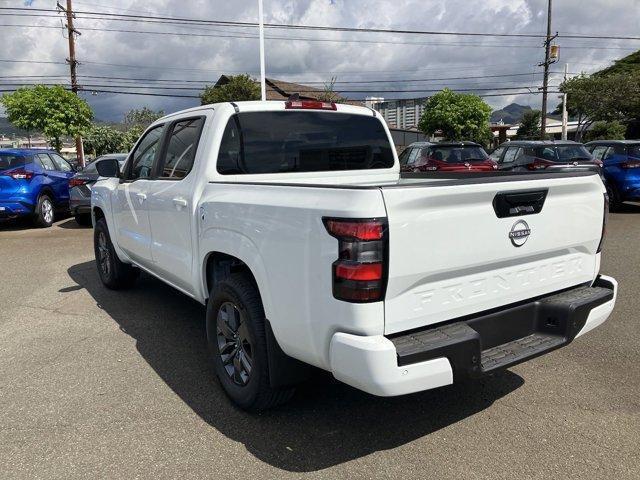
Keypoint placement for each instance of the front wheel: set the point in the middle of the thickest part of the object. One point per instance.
(113, 273)
(237, 341)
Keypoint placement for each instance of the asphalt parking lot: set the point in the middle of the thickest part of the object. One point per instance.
(101, 384)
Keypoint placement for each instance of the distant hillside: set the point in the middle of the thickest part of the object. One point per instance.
(628, 64)
(510, 114)
(7, 129)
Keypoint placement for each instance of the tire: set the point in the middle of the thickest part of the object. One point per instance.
(44, 214)
(114, 274)
(614, 199)
(235, 303)
(83, 219)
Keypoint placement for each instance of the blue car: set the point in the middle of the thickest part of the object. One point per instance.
(621, 167)
(33, 183)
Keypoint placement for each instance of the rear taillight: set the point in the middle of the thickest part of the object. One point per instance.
(18, 174)
(76, 182)
(630, 164)
(360, 272)
(539, 164)
(605, 216)
(309, 105)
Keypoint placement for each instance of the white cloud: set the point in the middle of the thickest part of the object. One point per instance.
(207, 57)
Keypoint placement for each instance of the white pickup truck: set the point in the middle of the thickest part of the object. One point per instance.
(292, 223)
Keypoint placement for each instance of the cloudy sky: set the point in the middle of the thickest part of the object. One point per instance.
(187, 55)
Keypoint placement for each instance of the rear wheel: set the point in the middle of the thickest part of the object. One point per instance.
(44, 211)
(113, 273)
(237, 340)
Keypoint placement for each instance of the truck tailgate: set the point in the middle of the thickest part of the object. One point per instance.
(450, 254)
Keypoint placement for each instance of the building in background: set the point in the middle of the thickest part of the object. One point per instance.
(404, 114)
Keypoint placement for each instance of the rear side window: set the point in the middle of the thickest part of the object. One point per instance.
(181, 149)
(45, 161)
(273, 142)
(11, 161)
(452, 154)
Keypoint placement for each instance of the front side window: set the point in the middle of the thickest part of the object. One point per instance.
(181, 149)
(61, 164)
(297, 141)
(546, 153)
(144, 154)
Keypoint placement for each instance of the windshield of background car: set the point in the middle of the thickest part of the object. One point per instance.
(8, 160)
(634, 150)
(298, 141)
(456, 154)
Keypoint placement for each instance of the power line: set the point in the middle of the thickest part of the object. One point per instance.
(186, 20)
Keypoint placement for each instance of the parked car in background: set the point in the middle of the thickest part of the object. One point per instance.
(33, 183)
(445, 157)
(621, 168)
(80, 188)
(548, 155)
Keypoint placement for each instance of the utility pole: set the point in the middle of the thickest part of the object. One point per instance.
(545, 81)
(263, 86)
(73, 64)
(564, 105)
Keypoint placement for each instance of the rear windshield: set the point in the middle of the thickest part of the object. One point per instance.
(8, 160)
(456, 154)
(634, 150)
(563, 153)
(273, 142)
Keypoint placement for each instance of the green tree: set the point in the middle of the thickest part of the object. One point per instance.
(130, 137)
(529, 128)
(54, 111)
(101, 139)
(606, 131)
(239, 88)
(458, 116)
(607, 98)
(141, 118)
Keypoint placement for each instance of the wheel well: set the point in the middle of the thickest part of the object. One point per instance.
(98, 213)
(220, 265)
(46, 191)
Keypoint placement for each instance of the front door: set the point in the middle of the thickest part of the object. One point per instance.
(130, 210)
(170, 203)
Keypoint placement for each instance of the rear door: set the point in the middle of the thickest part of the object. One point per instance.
(170, 203)
(450, 254)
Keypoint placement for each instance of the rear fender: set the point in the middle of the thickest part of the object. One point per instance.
(229, 242)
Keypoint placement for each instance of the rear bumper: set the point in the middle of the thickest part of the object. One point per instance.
(13, 209)
(79, 203)
(433, 357)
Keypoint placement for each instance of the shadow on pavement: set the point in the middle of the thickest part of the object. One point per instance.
(629, 208)
(327, 423)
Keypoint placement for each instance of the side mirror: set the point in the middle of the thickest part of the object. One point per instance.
(109, 167)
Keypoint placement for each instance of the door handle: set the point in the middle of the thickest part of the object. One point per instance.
(141, 197)
(180, 202)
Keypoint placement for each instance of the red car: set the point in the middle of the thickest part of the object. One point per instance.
(446, 157)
